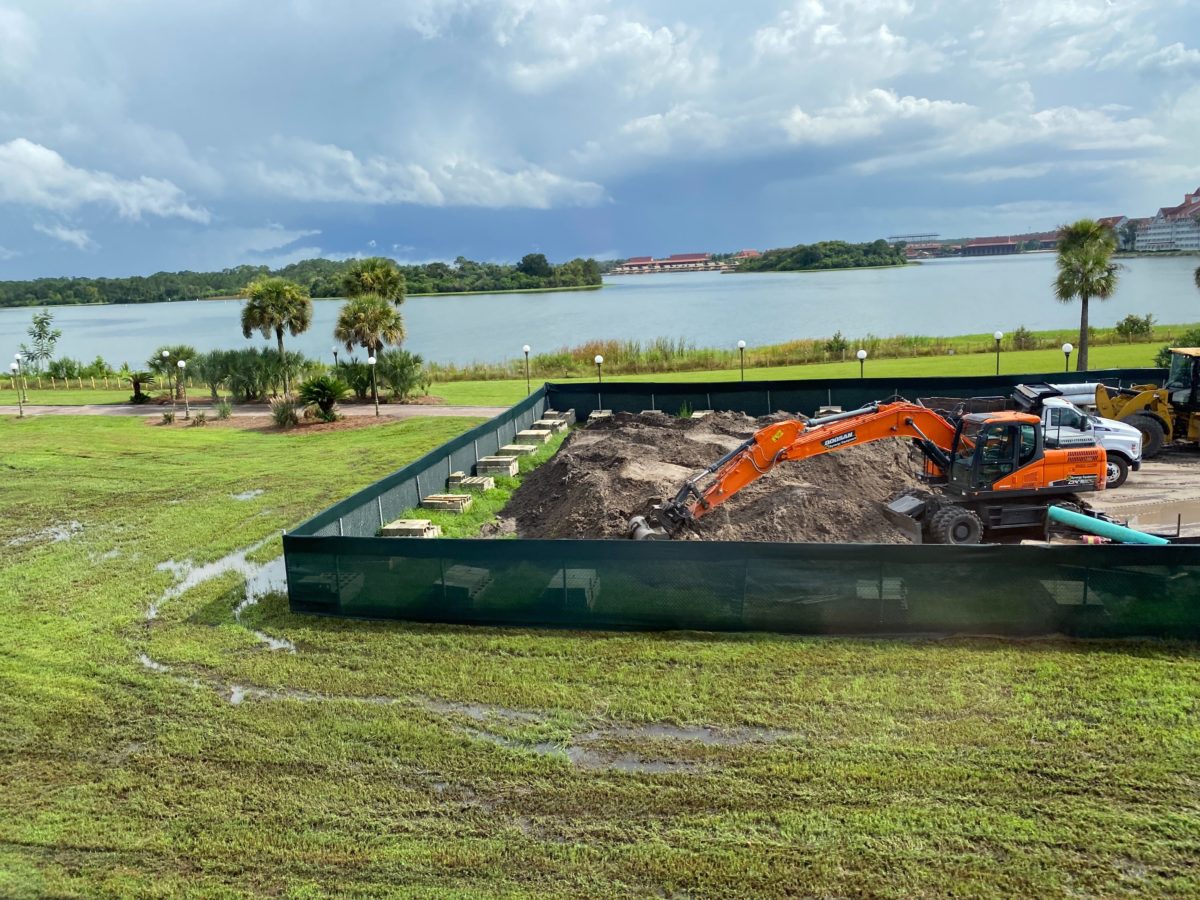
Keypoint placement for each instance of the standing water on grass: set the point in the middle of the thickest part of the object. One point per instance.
(937, 298)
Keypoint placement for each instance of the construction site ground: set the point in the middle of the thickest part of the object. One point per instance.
(621, 466)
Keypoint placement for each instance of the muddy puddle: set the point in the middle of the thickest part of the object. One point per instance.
(53, 534)
(261, 578)
(247, 495)
(1163, 518)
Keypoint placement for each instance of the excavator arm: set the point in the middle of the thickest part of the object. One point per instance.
(791, 440)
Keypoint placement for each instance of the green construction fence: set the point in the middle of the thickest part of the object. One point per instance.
(336, 565)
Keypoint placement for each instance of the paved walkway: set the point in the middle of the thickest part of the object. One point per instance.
(386, 410)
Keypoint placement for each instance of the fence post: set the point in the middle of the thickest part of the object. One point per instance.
(53, 386)
(93, 382)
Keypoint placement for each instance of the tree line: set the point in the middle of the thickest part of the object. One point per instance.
(319, 278)
(826, 255)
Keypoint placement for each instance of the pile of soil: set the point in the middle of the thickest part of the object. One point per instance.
(619, 467)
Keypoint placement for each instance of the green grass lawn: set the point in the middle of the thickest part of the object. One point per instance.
(505, 393)
(969, 767)
(508, 392)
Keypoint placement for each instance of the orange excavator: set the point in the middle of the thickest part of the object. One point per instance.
(989, 471)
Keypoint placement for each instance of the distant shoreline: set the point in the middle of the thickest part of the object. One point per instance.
(817, 271)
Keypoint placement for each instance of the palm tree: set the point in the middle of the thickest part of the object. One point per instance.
(371, 322)
(1085, 270)
(376, 275)
(273, 306)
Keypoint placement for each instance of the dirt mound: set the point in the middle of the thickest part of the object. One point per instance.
(620, 467)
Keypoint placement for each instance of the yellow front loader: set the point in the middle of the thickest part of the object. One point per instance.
(1165, 414)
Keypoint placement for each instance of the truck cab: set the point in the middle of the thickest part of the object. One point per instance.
(1066, 425)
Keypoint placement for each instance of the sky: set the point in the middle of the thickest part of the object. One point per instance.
(138, 135)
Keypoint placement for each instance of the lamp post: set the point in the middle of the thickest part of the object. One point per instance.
(1066, 349)
(166, 354)
(187, 411)
(999, 336)
(862, 358)
(528, 390)
(16, 371)
(599, 363)
(374, 389)
(20, 377)
(742, 354)
(335, 357)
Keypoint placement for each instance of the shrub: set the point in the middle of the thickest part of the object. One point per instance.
(685, 410)
(1187, 339)
(1024, 339)
(224, 409)
(285, 412)
(358, 376)
(403, 372)
(138, 381)
(1132, 327)
(199, 420)
(168, 417)
(324, 392)
(837, 344)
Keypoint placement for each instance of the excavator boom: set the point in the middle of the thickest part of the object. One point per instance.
(793, 440)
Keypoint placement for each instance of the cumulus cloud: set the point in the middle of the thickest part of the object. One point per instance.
(76, 237)
(867, 115)
(33, 175)
(304, 170)
(1172, 58)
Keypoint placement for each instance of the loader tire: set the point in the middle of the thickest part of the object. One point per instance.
(955, 525)
(1153, 435)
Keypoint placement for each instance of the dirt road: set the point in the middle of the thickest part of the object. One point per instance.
(1166, 491)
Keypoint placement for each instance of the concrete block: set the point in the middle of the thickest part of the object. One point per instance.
(416, 528)
(702, 413)
(533, 436)
(597, 414)
(554, 426)
(652, 412)
(465, 583)
(516, 450)
(455, 503)
(576, 588)
(497, 465)
(477, 483)
(567, 415)
(455, 479)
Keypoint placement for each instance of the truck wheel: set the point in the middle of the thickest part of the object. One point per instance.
(1118, 471)
(955, 525)
(1153, 435)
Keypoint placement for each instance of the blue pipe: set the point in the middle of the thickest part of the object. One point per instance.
(1118, 533)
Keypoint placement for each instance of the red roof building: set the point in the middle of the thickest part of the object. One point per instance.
(1173, 227)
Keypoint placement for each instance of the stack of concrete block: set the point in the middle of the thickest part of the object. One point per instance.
(516, 450)
(416, 528)
(567, 415)
(497, 465)
(463, 482)
(597, 414)
(554, 426)
(455, 503)
(702, 413)
(533, 436)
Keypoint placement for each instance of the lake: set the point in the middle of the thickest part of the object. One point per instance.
(940, 297)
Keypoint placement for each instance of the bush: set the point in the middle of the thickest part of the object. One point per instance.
(837, 344)
(1024, 339)
(403, 372)
(1132, 327)
(285, 412)
(1187, 339)
(168, 418)
(358, 376)
(324, 392)
(224, 409)
(199, 420)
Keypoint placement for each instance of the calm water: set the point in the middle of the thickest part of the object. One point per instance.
(943, 297)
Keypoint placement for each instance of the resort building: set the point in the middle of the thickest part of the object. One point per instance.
(681, 262)
(1173, 227)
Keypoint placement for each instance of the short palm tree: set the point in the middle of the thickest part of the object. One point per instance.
(371, 322)
(376, 275)
(273, 306)
(1085, 270)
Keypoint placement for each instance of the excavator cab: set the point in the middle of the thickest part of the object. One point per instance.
(990, 449)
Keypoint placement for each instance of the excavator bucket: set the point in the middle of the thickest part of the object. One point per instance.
(640, 529)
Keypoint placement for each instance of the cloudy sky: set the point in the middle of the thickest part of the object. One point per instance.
(138, 135)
